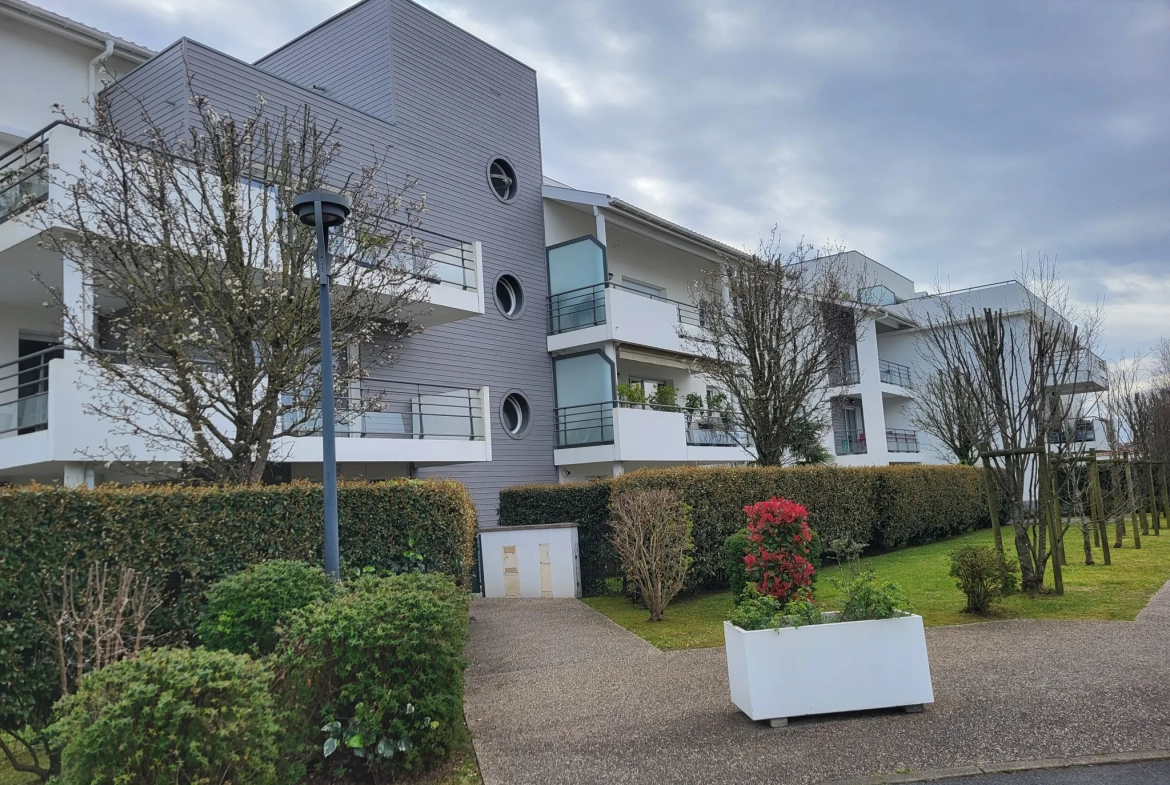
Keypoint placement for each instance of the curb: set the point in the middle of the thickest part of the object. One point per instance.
(932, 775)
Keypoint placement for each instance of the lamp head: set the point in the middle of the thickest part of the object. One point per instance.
(334, 208)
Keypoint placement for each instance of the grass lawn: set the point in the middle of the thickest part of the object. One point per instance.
(1116, 592)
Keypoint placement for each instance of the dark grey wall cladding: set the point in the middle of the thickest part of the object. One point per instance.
(456, 103)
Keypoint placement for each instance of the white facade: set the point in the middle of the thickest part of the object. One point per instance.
(620, 307)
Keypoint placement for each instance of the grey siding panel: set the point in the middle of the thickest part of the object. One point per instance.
(457, 102)
(349, 56)
(156, 90)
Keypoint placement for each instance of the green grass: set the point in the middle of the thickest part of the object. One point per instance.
(1116, 592)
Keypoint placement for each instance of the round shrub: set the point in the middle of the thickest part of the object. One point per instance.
(373, 678)
(168, 716)
(983, 576)
(243, 609)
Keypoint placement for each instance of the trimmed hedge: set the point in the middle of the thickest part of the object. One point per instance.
(883, 506)
(184, 539)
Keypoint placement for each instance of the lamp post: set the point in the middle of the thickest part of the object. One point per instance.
(324, 210)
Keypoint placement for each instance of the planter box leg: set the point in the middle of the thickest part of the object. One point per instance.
(914, 708)
(778, 722)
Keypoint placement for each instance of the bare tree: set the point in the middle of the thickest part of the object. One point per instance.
(207, 337)
(1026, 365)
(652, 536)
(947, 408)
(775, 324)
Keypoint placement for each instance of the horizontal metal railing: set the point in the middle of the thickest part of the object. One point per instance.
(400, 410)
(894, 373)
(438, 258)
(24, 176)
(585, 424)
(585, 307)
(901, 440)
(844, 372)
(849, 442)
(592, 423)
(24, 394)
(1082, 430)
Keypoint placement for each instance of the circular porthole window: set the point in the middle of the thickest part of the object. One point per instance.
(502, 178)
(515, 415)
(509, 296)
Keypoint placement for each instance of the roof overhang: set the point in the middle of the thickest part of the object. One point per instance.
(75, 31)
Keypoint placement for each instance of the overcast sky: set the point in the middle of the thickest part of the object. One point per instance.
(943, 139)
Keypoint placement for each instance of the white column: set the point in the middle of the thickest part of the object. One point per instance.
(77, 294)
(599, 224)
(618, 469)
(77, 475)
(872, 406)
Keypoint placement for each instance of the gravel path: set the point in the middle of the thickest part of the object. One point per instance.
(557, 693)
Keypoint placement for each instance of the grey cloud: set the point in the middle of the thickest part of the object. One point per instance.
(943, 139)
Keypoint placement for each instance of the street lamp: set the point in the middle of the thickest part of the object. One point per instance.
(324, 210)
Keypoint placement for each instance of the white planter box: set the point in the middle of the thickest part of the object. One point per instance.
(822, 668)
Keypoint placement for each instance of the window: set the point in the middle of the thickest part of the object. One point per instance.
(502, 178)
(515, 415)
(509, 296)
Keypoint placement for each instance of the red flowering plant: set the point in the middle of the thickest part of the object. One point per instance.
(779, 547)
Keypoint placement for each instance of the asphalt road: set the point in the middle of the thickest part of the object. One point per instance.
(1147, 773)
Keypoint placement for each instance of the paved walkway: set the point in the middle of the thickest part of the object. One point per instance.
(1150, 773)
(557, 693)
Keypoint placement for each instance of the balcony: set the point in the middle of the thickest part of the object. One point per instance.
(1072, 431)
(647, 433)
(45, 421)
(612, 312)
(849, 442)
(24, 177)
(901, 440)
(844, 373)
(1078, 371)
(893, 373)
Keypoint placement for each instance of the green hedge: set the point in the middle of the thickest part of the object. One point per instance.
(184, 539)
(884, 506)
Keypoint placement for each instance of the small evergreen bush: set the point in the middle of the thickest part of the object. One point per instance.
(864, 598)
(735, 548)
(243, 609)
(983, 576)
(170, 716)
(372, 679)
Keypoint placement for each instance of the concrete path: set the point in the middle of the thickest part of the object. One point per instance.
(557, 693)
(1151, 773)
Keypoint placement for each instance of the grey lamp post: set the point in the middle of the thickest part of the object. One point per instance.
(324, 210)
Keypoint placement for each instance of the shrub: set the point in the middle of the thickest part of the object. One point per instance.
(863, 598)
(756, 611)
(652, 536)
(167, 716)
(242, 609)
(778, 561)
(182, 540)
(886, 506)
(374, 676)
(983, 576)
(735, 548)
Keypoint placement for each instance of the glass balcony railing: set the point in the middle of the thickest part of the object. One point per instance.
(24, 176)
(893, 373)
(901, 440)
(390, 410)
(844, 372)
(848, 442)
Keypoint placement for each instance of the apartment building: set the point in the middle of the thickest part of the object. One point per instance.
(554, 346)
(875, 385)
(471, 397)
(619, 313)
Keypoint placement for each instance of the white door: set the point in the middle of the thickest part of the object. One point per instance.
(545, 571)
(511, 572)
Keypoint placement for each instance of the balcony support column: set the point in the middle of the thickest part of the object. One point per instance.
(618, 469)
(599, 224)
(77, 295)
(77, 475)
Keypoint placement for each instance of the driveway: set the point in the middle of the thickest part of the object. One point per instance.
(557, 693)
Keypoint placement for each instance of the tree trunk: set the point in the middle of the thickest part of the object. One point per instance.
(1118, 505)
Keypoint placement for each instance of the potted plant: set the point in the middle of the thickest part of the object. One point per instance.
(874, 649)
